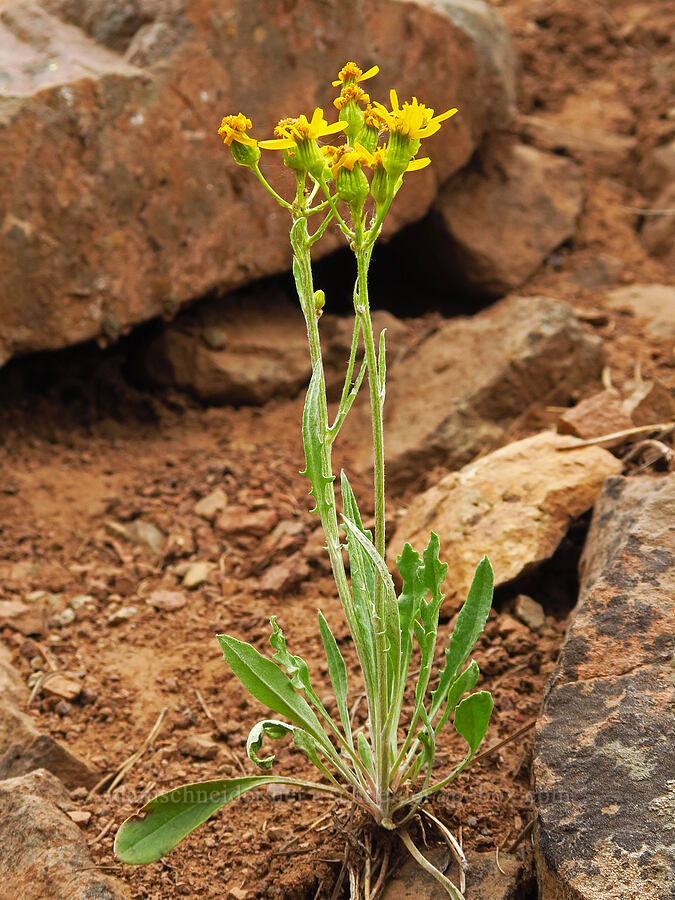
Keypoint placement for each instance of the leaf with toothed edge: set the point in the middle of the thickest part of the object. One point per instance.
(313, 448)
(271, 728)
(267, 683)
(470, 622)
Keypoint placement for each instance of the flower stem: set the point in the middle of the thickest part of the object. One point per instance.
(382, 739)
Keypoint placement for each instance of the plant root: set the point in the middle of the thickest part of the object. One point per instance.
(451, 889)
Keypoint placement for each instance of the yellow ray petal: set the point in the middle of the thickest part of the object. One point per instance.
(416, 164)
(277, 144)
(446, 115)
(373, 70)
(334, 128)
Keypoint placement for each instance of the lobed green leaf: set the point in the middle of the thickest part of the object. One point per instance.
(271, 728)
(312, 443)
(470, 622)
(267, 683)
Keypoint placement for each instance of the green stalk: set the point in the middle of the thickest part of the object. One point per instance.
(329, 522)
(381, 739)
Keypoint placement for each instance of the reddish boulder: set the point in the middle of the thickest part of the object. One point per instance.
(510, 189)
(118, 202)
(43, 853)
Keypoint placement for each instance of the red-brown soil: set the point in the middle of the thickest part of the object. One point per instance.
(79, 452)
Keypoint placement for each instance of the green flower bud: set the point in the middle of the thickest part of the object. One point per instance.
(311, 159)
(400, 151)
(352, 185)
(379, 185)
(244, 154)
(352, 114)
(368, 137)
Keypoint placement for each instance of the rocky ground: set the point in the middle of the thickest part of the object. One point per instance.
(150, 498)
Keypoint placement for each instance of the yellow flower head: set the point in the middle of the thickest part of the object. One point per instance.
(330, 154)
(347, 157)
(373, 118)
(292, 132)
(297, 138)
(351, 92)
(377, 161)
(350, 73)
(234, 128)
(412, 120)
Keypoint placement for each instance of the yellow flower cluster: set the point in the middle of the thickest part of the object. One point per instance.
(363, 124)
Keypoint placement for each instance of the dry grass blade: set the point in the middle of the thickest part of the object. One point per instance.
(102, 833)
(128, 763)
(507, 740)
(209, 715)
(658, 449)
(617, 437)
(43, 679)
(454, 846)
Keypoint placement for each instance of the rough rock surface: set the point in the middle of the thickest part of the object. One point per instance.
(484, 881)
(43, 854)
(603, 759)
(652, 304)
(591, 126)
(515, 505)
(657, 169)
(599, 414)
(250, 348)
(658, 232)
(477, 207)
(477, 375)
(118, 201)
(23, 748)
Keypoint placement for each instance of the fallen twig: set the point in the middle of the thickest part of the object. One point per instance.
(507, 740)
(102, 833)
(128, 763)
(620, 436)
(522, 834)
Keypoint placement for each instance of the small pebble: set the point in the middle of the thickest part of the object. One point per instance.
(123, 614)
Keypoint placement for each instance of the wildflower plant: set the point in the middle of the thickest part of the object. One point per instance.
(386, 766)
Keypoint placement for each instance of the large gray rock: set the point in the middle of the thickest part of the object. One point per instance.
(43, 854)
(119, 203)
(604, 767)
(457, 392)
